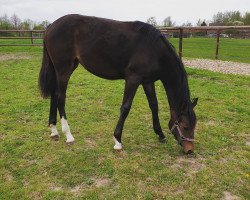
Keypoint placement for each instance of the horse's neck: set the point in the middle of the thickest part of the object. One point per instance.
(177, 93)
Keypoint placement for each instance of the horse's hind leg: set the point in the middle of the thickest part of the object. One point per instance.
(149, 90)
(131, 85)
(53, 116)
(62, 82)
(63, 73)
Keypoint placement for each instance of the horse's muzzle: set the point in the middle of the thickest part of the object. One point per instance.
(188, 147)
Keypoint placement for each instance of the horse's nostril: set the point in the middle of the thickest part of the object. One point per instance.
(189, 152)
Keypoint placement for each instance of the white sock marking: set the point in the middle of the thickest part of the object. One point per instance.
(66, 130)
(118, 145)
(53, 130)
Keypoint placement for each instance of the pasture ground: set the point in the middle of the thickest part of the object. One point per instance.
(237, 50)
(33, 167)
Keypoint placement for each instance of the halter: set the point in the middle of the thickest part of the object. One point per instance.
(183, 138)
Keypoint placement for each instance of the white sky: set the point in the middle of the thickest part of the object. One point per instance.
(126, 10)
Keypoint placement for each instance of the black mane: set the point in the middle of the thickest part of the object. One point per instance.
(152, 34)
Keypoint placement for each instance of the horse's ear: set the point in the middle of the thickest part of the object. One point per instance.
(194, 102)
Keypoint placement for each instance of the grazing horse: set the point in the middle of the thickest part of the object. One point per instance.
(134, 51)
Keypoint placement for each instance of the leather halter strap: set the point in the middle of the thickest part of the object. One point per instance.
(183, 138)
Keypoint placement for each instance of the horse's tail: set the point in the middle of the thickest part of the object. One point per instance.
(47, 76)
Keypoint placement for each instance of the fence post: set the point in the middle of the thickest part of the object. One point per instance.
(217, 44)
(31, 35)
(180, 43)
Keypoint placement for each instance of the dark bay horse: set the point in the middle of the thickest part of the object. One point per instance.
(134, 51)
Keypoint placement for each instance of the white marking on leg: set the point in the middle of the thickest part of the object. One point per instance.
(53, 129)
(118, 145)
(66, 130)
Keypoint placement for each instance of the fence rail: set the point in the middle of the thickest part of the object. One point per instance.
(217, 29)
(31, 36)
(165, 30)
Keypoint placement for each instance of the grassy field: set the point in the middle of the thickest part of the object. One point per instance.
(230, 49)
(33, 167)
(237, 50)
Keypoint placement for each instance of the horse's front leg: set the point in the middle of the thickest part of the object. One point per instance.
(131, 85)
(149, 90)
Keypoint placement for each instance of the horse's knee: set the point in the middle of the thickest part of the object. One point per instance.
(125, 110)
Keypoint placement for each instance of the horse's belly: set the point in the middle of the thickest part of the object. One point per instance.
(103, 71)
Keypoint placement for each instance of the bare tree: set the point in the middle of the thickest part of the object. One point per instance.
(152, 21)
(168, 22)
(15, 21)
(187, 24)
(199, 22)
(45, 24)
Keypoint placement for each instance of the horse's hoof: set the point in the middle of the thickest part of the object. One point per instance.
(162, 140)
(118, 147)
(70, 143)
(55, 137)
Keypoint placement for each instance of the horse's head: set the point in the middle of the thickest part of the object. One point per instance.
(183, 125)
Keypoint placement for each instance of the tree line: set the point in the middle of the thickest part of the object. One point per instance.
(229, 18)
(15, 23)
(221, 19)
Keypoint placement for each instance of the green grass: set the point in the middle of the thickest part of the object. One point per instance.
(33, 167)
(20, 41)
(237, 50)
(230, 49)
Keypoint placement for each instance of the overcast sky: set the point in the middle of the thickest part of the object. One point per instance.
(126, 10)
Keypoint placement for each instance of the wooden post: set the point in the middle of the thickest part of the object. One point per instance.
(31, 35)
(180, 43)
(217, 44)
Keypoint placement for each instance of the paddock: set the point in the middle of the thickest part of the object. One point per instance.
(34, 167)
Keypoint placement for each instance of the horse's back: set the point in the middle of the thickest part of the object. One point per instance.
(104, 47)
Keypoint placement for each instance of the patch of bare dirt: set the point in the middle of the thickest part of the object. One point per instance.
(193, 165)
(8, 176)
(54, 187)
(247, 143)
(229, 196)
(2, 136)
(57, 188)
(101, 182)
(36, 195)
(76, 189)
(25, 182)
(96, 182)
(226, 67)
(5, 57)
(211, 123)
(90, 143)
